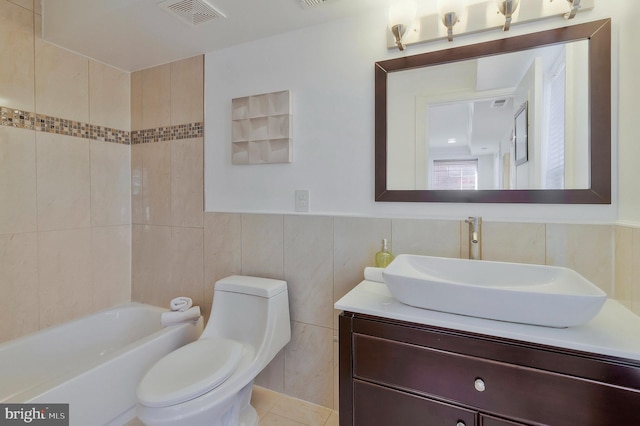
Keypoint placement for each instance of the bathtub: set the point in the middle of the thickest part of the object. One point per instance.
(93, 363)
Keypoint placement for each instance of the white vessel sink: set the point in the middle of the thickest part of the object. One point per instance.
(529, 294)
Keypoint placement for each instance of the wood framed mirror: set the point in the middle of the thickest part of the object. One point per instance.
(588, 182)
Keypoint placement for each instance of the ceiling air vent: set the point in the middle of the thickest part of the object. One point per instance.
(193, 12)
(308, 4)
(498, 103)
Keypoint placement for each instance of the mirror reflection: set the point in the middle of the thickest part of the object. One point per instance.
(503, 122)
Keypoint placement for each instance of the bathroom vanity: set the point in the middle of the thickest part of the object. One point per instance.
(401, 365)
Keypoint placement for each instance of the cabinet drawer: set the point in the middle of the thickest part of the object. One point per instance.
(493, 387)
(378, 406)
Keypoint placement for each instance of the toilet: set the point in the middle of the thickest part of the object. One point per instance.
(209, 381)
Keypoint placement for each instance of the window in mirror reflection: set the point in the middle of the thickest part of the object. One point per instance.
(553, 142)
(455, 174)
(474, 103)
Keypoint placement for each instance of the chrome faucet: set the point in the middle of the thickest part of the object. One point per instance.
(475, 233)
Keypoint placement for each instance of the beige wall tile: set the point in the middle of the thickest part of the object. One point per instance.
(187, 90)
(19, 285)
(137, 211)
(222, 250)
(151, 265)
(636, 272)
(512, 242)
(156, 97)
(17, 68)
(64, 284)
(64, 195)
(308, 364)
(110, 184)
(187, 263)
(587, 249)
(272, 376)
(139, 271)
(356, 242)
(17, 180)
(156, 183)
(308, 268)
(109, 96)
(110, 265)
(426, 237)
(263, 245)
(27, 4)
(623, 267)
(37, 6)
(187, 182)
(62, 81)
(136, 100)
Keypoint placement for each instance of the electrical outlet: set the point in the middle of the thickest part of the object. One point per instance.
(302, 200)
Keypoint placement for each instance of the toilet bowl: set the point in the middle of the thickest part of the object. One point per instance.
(209, 381)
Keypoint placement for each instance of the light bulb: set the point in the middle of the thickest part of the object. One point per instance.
(402, 13)
(502, 6)
(451, 6)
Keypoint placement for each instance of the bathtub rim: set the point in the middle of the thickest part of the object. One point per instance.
(56, 381)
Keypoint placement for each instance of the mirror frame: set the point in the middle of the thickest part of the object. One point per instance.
(599, 35)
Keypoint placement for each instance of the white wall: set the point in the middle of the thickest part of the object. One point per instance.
(627, 102)
(330, 71)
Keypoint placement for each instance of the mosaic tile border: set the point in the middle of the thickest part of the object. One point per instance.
(169, 133)
(45, 123)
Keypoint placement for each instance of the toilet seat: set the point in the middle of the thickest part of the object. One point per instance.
(189, 372)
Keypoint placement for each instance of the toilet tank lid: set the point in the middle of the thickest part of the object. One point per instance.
(256, 286)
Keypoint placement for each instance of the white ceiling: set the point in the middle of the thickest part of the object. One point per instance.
(137, 34)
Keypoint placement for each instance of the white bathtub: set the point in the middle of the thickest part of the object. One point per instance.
(94, 363)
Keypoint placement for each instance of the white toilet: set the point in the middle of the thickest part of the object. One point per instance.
(209, 381)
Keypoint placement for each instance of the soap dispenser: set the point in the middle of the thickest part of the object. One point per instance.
(384, 256)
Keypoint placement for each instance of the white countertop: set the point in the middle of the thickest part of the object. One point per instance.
(615, 331)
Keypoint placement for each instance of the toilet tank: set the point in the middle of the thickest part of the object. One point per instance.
(252, 310)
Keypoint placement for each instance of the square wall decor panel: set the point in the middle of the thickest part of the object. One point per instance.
(261, 129)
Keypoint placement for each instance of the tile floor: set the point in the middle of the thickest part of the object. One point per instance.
(276, 409)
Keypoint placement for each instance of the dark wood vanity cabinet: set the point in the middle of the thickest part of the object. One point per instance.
(398, 373)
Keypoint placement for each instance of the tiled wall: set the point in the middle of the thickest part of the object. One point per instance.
(322, 258)
(167, 183)
(64, 179)
(627, 267)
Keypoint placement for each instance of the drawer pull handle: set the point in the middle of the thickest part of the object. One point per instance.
(460, 424)
(479, 385)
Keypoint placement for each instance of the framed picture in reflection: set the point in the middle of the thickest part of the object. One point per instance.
(521, 128)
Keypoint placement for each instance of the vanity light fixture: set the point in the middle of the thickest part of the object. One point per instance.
(507, 8)
(471, 16)
(450, 11)
(401, 16)
(575, 7)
